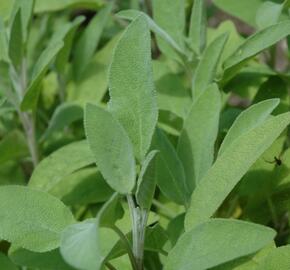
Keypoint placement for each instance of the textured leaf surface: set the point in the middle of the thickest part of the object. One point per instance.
(147, 181)
(169, 170)
(257, 43)
(84, 245)
(247, 120)
(197, 29)
(215, 242)
(196, 142)
(31, 97)
(132, 91)
(268, 14)
(111, 148)
(32, 219)
(277, 259)
(89, 40)
(61, 163)
(230, 167)
(206, 70)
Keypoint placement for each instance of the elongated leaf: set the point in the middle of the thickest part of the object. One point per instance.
(4, 54)
(32, 219)
(255, 44)
(215, 242)
(197, 30)
(132, 91)
(61, 163)
(85, 246)
(82, 187)
(277, 259)
(206, 70)
(89, 41)
(230, 167)
(196, 142)
(162, 10)
(248, 120)
(63, 116)
(268, 14)
(147, 181)
(169, 170)
(66, 33)
(50, 260)
(133, 14)
(16, 41)
(111, 148)
(6, 264)
(31, 97)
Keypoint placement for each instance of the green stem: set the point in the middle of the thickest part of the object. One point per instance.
(110, 266)
(165, 211)
(127, 245)
(139, 219)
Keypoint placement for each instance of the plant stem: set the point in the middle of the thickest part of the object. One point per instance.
(139, 219)
(127, 245)
(110, 266)
(27, 119)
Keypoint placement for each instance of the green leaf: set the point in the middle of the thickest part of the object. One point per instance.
(215, 242)
(59, 164)
(255, 44)
(268, 14)
(132, 91)
(32, 219)
(85, 245)
(31, 97)
(13, 147)
(66, 33)
(16, 41)
(155, 28)
(147, 181)
(248, 120)
(277, 259)
(89, 40)
(82, 187)
(169, 170)
(205, 72)
(111, 148)
(196, 142)
(65, 114)
(4, 55)
(197, 29)
(230, 167)
(245, 10)
(162, 10)
(50, 260)
(6, 264)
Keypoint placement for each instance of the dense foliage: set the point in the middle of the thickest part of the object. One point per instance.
(144, 135)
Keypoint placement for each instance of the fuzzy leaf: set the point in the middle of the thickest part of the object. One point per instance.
(31, 97)
(147, 181)
(255, 44)
(197, 29)
(32, 219)
(132, 91)
(205, 72)
(59, 164)
(111, 148)
(248, 120)
(89, 40)
(196, 142)
(169, 170)
(215, 242)
(230, 167)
